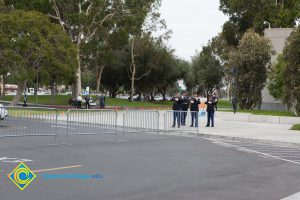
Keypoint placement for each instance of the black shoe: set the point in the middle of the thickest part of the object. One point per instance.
(212, 126)
(207, 126)
(173, 126)
(191, 126)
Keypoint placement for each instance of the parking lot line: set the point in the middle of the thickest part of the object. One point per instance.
(57, 168)
(250, 150)
(295, 196)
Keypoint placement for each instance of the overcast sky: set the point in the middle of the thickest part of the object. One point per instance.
(193, 22)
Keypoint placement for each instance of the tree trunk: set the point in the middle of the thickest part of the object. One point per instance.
(3, 91)
(53, 93)
(99, 77)
(133, 71)
(77, 84)
(20, 90)
(229, 92)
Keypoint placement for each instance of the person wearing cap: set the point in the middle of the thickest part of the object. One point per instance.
(185, 102)
(211, 103)
(176, 110)
(194, 108)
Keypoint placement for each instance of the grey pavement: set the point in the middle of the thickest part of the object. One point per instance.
(155, 166)
(147, 167)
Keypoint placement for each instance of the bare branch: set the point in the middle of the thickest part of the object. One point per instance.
(79, 8)
(90, 33)
(144, 74)
(58, 15)
(88, 10)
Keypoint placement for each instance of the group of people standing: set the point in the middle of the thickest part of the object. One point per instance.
(183, 103)
(88, 101)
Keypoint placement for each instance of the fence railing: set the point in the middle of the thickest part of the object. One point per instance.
(26, 121)
(21, 121)
(140, 121)
(91, 122)
(181, 121)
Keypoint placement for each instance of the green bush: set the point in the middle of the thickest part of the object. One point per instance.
(296, 127)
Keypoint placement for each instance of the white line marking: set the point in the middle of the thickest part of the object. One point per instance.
(14, 160)
(58, 168)
(295, 196)
(253, 151)
(55, 169)
(61, 127)
(274, 149)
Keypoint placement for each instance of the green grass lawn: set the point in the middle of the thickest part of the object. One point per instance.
(296, 127)
(62, 100)
(265, 112)
(223, 105)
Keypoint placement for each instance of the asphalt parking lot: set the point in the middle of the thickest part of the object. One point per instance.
(150, 167)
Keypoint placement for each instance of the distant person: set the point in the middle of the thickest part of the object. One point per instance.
(25, 101)
(194, 108)
(215, 98)
(185, 101)
(234, 104)
(210, 111)
(87, 102)
(102, 101)
(176, 110)
(79, 101)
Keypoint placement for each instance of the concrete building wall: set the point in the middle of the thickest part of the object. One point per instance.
(278, 37)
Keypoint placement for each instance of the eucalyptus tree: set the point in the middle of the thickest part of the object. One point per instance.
(82, 19)
(29, 42)
(252, 61)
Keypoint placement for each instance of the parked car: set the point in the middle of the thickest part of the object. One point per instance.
(3, 112)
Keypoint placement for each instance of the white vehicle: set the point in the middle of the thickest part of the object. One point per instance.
(3, 112)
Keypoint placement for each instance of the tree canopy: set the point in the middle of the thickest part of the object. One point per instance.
(251, 61)
(31, 44)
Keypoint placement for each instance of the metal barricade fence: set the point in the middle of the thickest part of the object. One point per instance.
(91, 122)
(140, 121)
(28, 121)
(181, 122)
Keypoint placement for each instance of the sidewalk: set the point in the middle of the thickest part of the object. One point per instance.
(235, 126)
(251, 130)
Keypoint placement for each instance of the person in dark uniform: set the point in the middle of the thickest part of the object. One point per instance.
(215, 98)
(176, 110)
(194, 108)
(25, 101)
(102, 101)
(211, 103)
(234, 104)
(185, 101)
(87, 102)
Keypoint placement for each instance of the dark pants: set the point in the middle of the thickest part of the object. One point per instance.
(176, 117)
(210, 118)
(183, 117)
(102, 105)
(194, 118)
(87, 105)
(234, 106)
(79, 104)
